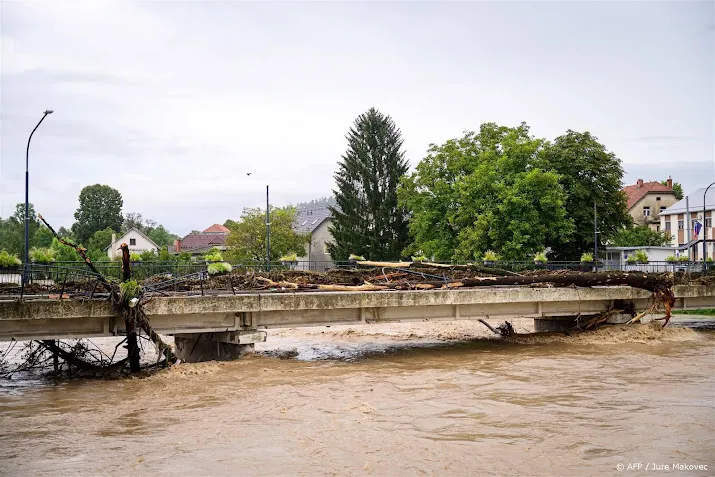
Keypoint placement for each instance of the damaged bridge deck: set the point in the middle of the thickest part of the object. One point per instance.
(53, 319)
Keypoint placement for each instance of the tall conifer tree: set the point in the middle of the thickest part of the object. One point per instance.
(367, 219)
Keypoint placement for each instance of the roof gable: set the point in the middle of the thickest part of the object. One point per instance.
(217, 229)
(308, 219)
(133, 229)
(636, 192)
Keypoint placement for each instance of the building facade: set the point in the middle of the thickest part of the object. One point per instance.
(316, 222)
(647, 200)
(137, 241)
(686, 217)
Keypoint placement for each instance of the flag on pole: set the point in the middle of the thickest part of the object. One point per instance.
(697, 226)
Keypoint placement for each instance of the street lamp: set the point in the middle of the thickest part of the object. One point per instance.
(27, 198)
(705, 230)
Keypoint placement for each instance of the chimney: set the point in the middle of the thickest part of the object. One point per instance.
(670, 182)
(640, 183)
(177, 245)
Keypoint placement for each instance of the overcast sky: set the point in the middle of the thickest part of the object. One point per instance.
(172, 103)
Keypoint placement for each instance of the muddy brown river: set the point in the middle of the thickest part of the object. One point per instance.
(414, 399)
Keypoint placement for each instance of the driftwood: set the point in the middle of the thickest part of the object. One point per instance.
(133, 314)
(442, 266)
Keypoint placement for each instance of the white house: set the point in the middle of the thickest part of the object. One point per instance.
(685, 217)
(137, 241)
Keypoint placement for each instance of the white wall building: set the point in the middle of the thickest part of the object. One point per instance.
(674, 220)
(135, 239)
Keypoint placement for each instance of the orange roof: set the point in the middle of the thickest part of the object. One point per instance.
(639, 190)
(217, 229)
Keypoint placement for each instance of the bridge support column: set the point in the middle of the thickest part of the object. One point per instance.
(223, 346)
(560, 324)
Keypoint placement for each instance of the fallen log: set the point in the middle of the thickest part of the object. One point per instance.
(440, 266)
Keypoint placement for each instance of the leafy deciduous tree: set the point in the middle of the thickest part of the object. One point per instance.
(485, 191)
(100, 207)
(677, 188)
(588, 173)
(640, 236)
(247, 240)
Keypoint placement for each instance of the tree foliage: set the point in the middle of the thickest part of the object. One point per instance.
(677, 188)
(640, 236)
(12, 231)
(247, 240)
(588, 173)
(368, 218)
(485, 191)
(100, 207)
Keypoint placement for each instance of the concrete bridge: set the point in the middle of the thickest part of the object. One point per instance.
(226, 326)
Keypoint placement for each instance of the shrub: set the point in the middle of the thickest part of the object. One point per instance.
(358, 258)
(420, 258)
(540, 258)
(490, 256)
(214, 255)
(587, 257)
(683, 258)
(9, 261)
(135, 257)
(709, 259)
(42, 255)
(219, 268)
(639, 256)
(289, 257)
(129, 289)
(670, 258)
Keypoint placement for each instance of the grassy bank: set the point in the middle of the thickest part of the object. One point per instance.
(701, 311)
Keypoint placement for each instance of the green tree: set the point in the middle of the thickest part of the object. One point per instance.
(63, 253)
(100, 207)
(42, 237)
(368, 220)
(482, 192)
(588, 173)
(161, 237)
(12, 230)
(640, 236)
(247, 240)
(677, 188)
(98, 243)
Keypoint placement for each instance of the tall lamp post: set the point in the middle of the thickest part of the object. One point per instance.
(27, 198)
(705, 230)
(268, 233)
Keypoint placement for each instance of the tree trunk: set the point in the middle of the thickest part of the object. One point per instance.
(130, 321)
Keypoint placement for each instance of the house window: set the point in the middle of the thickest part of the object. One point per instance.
(657, 228)
(325, 249)
(646, 211)
(667, 225)
(681, 224)
(662, 208)
(657, 198)
(132, 241)
(708, 222)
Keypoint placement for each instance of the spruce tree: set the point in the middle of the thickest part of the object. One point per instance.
(367, 219)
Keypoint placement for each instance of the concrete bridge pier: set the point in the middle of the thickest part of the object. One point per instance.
(222, 346)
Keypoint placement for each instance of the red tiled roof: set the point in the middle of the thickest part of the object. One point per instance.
(217, 229)
(194, 241)
(637, 191)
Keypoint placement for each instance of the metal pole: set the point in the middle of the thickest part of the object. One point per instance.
(27, 199)
(595, 238)
(268, 233)
(705, 230)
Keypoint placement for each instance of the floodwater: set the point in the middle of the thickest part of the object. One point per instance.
(387, 400)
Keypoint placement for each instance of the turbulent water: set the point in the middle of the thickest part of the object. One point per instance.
(387, 400)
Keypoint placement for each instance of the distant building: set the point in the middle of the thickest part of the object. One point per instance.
(316, 222)
(137, 241)
(647, 200)
(674, 219)
(199, 244)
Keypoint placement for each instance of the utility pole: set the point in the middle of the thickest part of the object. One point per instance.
(268, 233)
(595, 238)
(705, 230)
